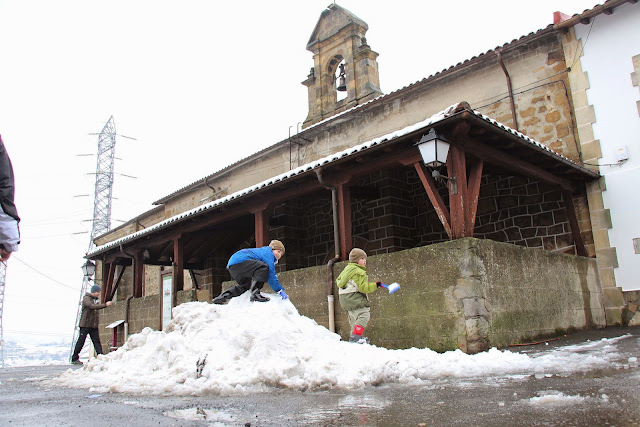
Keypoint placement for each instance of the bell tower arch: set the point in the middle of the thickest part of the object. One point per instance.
(345, 71)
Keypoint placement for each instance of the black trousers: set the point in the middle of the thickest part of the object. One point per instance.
(243, 273)
(95, 338)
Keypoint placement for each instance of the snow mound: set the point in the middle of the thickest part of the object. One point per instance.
(254, 347)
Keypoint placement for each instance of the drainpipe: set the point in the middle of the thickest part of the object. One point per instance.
(133, 291)
(509, 89)
(336, 238)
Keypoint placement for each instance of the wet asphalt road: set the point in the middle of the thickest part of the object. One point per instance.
(608, 397)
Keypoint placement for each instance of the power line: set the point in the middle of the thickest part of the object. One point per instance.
(30, 299)
(42, 274)
(576, 56)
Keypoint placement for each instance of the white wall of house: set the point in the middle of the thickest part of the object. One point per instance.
(609, 44)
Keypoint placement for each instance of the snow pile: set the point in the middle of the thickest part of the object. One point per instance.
(252, 347)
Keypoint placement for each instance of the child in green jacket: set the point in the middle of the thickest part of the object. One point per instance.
(353, 286)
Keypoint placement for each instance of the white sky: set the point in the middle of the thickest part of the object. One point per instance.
(294, 352)
(188, 80)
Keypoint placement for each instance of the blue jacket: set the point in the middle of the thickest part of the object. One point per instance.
(264, 254)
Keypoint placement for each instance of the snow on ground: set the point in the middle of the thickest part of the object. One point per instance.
(246, 347)
(557, 398)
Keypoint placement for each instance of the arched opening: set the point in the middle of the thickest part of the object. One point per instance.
(337, 68)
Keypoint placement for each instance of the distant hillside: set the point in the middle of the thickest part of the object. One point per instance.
(25, 354)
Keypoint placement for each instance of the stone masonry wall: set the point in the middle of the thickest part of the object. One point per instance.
(524, 212)
(143, 312)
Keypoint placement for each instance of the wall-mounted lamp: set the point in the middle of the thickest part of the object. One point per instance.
(434, 149)
(88, 269)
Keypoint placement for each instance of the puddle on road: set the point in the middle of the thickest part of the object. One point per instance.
(201, 414)
(364, 409)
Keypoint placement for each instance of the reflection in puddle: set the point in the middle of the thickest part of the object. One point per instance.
(363, 409)
(197, 413)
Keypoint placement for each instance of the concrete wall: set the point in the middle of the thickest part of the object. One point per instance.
(469, 293)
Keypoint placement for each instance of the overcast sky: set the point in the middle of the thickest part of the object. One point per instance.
(199, 85)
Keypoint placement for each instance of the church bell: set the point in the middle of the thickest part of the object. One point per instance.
(342, 81)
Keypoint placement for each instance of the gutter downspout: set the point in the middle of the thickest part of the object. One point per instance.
(133, 290)
(336, 238)
(509, 89)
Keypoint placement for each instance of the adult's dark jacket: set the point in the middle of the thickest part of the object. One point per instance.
(89, 316)
(7, 190)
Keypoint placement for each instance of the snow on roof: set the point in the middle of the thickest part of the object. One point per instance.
(451, 110)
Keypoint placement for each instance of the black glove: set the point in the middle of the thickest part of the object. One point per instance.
(379, 284)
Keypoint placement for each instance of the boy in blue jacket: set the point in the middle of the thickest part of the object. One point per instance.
(250, 268)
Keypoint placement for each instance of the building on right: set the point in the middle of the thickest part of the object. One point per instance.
(602, 51)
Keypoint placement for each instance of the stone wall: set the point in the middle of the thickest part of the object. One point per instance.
(630, 314)
(143, 312)
(470, 294)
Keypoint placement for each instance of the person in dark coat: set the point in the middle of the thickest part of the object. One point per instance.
(9, 219)
(250, 268)
(89, 321)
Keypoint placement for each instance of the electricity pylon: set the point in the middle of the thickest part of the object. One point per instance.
(102, 203)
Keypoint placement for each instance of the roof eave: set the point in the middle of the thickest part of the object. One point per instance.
(606, 7)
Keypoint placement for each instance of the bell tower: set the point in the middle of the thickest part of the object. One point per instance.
(345, 71)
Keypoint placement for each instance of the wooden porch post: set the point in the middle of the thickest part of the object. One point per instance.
(457, 167)
(573, 223)
(178, 269)
(459, 220)
(107, 279)
(261, 225)
(344, 220)
(438, 204)
(138, 274)
(473, 194)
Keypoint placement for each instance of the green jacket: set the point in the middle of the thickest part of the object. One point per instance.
(353, 286)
